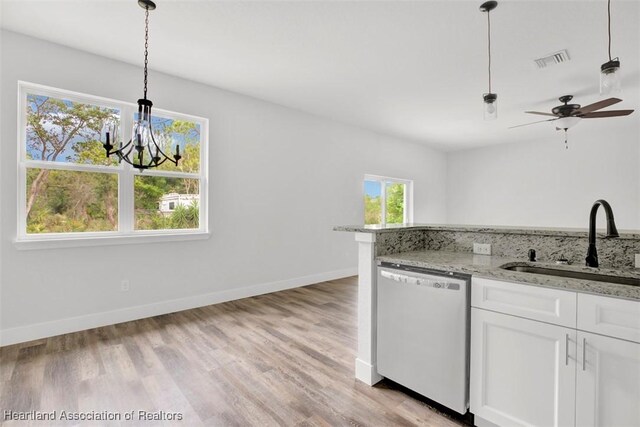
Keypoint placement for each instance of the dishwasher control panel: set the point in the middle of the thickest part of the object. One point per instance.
(419, 281)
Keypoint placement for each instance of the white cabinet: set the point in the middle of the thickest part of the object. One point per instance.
(612, 317)
(531, 302)
(608, 382)
(522, 371)
(532, 365)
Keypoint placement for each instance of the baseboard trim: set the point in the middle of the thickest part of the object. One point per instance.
(367, 373)
(81, 323)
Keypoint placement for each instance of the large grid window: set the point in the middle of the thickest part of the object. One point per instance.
(387, 200)
(69, 189)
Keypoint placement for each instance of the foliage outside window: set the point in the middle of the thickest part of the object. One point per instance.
(69, 188)
(387, 200)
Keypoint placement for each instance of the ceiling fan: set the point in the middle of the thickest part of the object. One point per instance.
(568, 115)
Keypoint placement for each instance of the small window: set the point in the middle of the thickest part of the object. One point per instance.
(387, 200)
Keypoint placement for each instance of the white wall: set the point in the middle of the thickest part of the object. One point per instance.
(279, 181)
(540, 183)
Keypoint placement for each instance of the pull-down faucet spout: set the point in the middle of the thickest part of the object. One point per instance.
(612, 231)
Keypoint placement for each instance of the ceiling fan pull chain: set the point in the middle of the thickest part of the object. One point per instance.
(566, 143)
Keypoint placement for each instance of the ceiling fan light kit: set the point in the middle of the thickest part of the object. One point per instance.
(490, 99)
(566, 122)
(610, 82)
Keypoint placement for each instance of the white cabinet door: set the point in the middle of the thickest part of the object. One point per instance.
(522, 371)
(608, 382)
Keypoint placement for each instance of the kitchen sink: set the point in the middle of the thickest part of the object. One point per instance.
(584, 275)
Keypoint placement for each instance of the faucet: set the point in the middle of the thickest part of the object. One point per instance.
(612, 231)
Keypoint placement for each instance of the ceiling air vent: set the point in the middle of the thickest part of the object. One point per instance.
(553, 58)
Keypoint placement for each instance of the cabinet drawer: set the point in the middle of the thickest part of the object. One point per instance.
(609, 316)
(547, 305)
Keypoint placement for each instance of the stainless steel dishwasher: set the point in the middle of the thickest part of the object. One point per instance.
(423, 332)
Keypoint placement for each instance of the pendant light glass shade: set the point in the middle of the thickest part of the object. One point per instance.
(490, 106)
(610, 83)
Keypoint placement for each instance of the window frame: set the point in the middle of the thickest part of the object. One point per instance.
(126, 174)
(408, 196)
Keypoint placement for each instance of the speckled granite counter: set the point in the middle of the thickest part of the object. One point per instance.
(489, 267)
(528, 231)
(511, 242)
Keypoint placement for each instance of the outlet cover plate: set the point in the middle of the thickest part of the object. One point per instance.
(482, 248)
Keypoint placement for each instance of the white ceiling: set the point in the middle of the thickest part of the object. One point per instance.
(412, 69)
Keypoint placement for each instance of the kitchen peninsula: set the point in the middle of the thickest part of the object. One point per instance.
(450, 249)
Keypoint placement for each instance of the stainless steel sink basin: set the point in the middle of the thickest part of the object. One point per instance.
(584, 275)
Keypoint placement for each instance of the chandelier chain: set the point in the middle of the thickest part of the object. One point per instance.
(146, 48)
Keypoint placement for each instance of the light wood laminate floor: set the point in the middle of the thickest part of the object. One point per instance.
(285, 358)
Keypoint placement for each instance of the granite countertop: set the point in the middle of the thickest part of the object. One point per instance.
(569, 232)
(488, 266)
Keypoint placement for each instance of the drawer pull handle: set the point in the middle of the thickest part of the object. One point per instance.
(584, 353)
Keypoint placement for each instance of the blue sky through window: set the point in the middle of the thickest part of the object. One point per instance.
(49, 122)
(54, 115)
(159, 124)
(372, 188)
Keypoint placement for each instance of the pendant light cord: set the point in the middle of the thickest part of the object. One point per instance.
(489, 44)
(146, 48)
(609, 25)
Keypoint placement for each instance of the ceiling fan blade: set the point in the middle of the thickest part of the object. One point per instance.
(611, 113)
(533, 123)
(540, 113)
(598, 105)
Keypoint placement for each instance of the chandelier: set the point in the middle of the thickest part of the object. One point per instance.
(142, 151)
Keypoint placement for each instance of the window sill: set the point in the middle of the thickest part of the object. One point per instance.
(75, 242)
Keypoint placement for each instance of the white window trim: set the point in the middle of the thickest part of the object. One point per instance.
(408, 196)
(126, 175)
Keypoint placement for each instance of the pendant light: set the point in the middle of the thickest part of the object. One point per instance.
(610, 70)
(142, 151)
(490, 100)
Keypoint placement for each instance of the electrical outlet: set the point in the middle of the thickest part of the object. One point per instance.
(482, 248)
(125, 286)
(637, 260)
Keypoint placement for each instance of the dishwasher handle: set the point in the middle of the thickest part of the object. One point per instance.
(419, 281)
